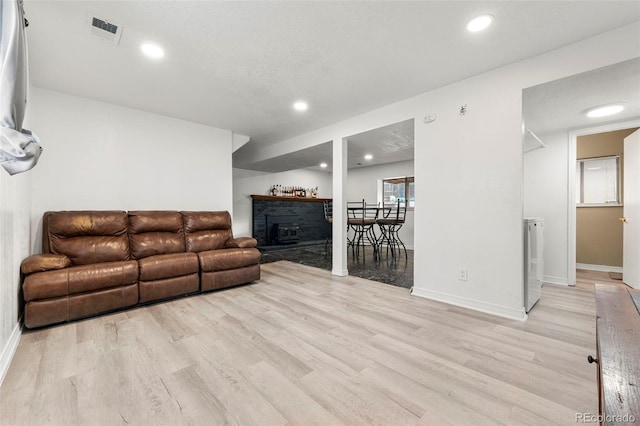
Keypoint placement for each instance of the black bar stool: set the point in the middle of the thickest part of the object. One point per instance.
(389, 226)
(362, 218)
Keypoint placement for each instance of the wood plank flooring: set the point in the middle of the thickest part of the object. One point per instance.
(589, 277)
(302, 347)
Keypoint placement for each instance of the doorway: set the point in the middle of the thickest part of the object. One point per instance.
(598, 200)
(572, 256)
(556, 113)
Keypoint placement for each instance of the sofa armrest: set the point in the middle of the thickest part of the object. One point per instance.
(241, 242)
(44, 262)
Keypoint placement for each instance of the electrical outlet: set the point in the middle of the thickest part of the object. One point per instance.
(463, 274)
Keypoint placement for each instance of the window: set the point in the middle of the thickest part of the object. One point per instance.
(401, 188)
(598, 181)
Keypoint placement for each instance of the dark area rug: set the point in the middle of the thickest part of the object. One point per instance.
(388, 269)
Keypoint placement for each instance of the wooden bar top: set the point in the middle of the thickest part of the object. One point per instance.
(618, 335)
(303, 199)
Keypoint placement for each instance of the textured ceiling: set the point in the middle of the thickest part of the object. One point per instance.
(388, 144)
(240, 65)
(554, 106)
(560, 105)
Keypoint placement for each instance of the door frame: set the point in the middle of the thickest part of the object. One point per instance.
(571, 182)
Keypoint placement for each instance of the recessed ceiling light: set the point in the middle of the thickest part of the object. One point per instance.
(604, 110)
(323, 165)
(300, 106)
(152, 50)
(480, 23)
(368, 157)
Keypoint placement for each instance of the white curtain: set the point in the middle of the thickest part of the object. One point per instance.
(19, 148)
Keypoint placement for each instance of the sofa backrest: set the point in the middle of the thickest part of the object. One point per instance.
(86, 236)
(155, 232)
(206, 230)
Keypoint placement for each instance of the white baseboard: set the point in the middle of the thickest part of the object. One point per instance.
(476, 305)
(601, 268)
(548, 279)
(9, 350)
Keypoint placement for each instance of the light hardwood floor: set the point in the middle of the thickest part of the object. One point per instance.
(587, 277)
(302, 347)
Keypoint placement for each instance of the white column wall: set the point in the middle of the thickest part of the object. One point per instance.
(339, 229)
(471, 166)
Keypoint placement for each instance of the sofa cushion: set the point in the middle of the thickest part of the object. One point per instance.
(155, 232)
(231, 258)
(206, 230)
(168, 266)
(232, 277)
(87, 237)
(66, 308)
(168, 287)
(79, 279)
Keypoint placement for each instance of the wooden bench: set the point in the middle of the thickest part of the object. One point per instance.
(618, 354)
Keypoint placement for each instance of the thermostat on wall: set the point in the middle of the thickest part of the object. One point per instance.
(430, 118)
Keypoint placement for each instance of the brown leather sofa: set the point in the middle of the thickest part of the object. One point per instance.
(101, 261)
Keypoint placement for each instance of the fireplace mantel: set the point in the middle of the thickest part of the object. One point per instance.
(303, 199)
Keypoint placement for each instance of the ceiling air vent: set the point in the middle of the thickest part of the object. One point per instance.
(105, 30)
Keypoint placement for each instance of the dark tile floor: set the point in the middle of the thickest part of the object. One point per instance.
(386, 270)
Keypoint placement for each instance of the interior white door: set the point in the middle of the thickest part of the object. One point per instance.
(631, 230)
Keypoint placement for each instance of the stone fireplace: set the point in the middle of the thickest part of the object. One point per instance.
(282, 229)
(300, 220)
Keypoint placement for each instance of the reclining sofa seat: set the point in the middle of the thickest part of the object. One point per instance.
(95, 262)
(157, 241)
(206, 233)
(85, 268)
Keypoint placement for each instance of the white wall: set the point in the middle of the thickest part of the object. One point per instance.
(248, 182)
(362, 183)
(470, 170)
(105, 157)
(545, 195)
(14, 246)
(471, 167)
(15, 207)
